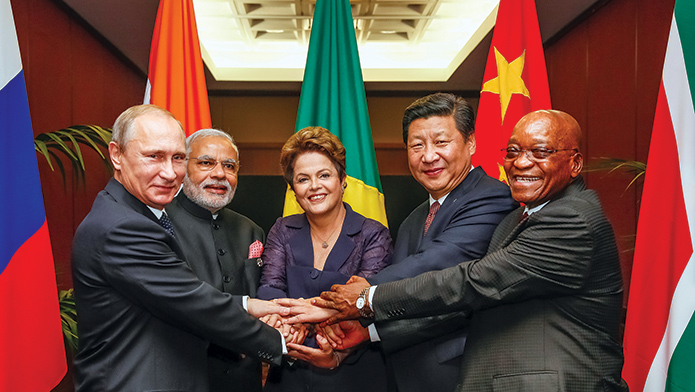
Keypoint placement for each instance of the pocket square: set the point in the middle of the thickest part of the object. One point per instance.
(255, 249)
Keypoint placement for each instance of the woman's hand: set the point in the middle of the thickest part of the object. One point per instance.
(323, 357)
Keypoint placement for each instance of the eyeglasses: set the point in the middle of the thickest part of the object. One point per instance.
(204, 163)
(533, 154)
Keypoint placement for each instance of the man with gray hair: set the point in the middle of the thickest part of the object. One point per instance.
(145, 320)
(221, 246)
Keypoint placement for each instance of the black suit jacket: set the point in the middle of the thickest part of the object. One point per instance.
(217, 251)
(545, 301)
(428, 356)
(144, 318)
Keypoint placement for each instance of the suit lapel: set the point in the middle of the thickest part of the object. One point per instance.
(415, 231)
(344, 245)
(300, 242)
(450, 205)
(508, 230)
(121, 195)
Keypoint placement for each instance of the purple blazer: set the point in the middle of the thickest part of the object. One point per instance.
(363, 248)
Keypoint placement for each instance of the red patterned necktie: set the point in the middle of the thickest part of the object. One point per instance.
(430, 216)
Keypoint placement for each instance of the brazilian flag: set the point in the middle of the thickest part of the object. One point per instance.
(333, 97)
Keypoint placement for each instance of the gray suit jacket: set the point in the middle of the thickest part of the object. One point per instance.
(217, 251)
(545, 301)
(428, 356)
(144, 318)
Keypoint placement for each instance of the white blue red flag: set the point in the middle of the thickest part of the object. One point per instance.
(32, 353)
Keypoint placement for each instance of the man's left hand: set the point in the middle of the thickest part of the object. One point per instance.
(343, 298)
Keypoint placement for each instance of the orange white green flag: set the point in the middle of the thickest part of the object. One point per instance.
(515, 82)
(176, 75)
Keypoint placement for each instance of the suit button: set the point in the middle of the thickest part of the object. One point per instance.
(227, 279)
(215, 226)
(314, 274)
(221, 252)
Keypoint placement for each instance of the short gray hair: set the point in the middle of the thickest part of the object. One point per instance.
(123, 127)
(206, 133)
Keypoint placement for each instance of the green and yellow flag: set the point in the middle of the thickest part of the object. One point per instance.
(333, 97)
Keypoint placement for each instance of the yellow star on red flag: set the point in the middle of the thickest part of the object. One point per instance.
(508, 80)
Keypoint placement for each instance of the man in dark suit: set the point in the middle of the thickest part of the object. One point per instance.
(546, 299)
(221, 246)
(145, 319)
(438, 131)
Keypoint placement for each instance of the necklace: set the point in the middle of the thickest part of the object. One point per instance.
(324, 243)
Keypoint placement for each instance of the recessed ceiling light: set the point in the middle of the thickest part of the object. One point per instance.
(389, 32)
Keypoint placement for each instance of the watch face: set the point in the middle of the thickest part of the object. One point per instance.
(359, 303)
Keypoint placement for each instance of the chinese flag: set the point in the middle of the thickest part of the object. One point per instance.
(515, 82)
(176, 77)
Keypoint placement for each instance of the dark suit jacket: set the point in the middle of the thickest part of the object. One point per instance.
(217, 251)
(545, 301)
(461, 230)
(144, 318)
(363, 248)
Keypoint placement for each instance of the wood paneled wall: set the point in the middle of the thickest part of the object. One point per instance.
(72, 78)
(606, 72)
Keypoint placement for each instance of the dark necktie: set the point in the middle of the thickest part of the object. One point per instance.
(166, 224)
(430, 216)
(524, 217)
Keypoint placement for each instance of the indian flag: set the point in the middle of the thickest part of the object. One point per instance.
(333, 97)
(176, 76)
(660, 329)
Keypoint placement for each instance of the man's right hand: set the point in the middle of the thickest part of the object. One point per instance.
(303, 310)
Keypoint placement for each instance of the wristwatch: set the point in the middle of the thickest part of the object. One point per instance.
(362, 304)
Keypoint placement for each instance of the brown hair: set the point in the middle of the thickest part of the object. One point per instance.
(312, 139)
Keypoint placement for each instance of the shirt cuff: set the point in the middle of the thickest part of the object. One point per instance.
(373, 334)
(284, 346)
(245, 300)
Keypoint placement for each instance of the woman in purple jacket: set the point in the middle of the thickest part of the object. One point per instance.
(307, 253)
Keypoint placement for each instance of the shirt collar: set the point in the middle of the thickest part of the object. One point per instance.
(156, 212)
(441, 199)
(530, 211)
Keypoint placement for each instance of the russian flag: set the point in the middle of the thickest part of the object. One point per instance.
(32, 353)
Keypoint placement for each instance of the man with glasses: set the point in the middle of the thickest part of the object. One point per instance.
(455, 223)
(222, 246)
(145, 320)
(545, 301)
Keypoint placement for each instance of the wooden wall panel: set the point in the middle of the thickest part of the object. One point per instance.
(610, 131)
(567, 65)
(606, 72)
(72, 78)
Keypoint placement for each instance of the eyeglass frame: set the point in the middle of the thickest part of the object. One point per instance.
(215, 161)
(533, 151)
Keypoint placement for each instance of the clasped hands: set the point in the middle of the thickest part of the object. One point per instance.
(331, 317)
